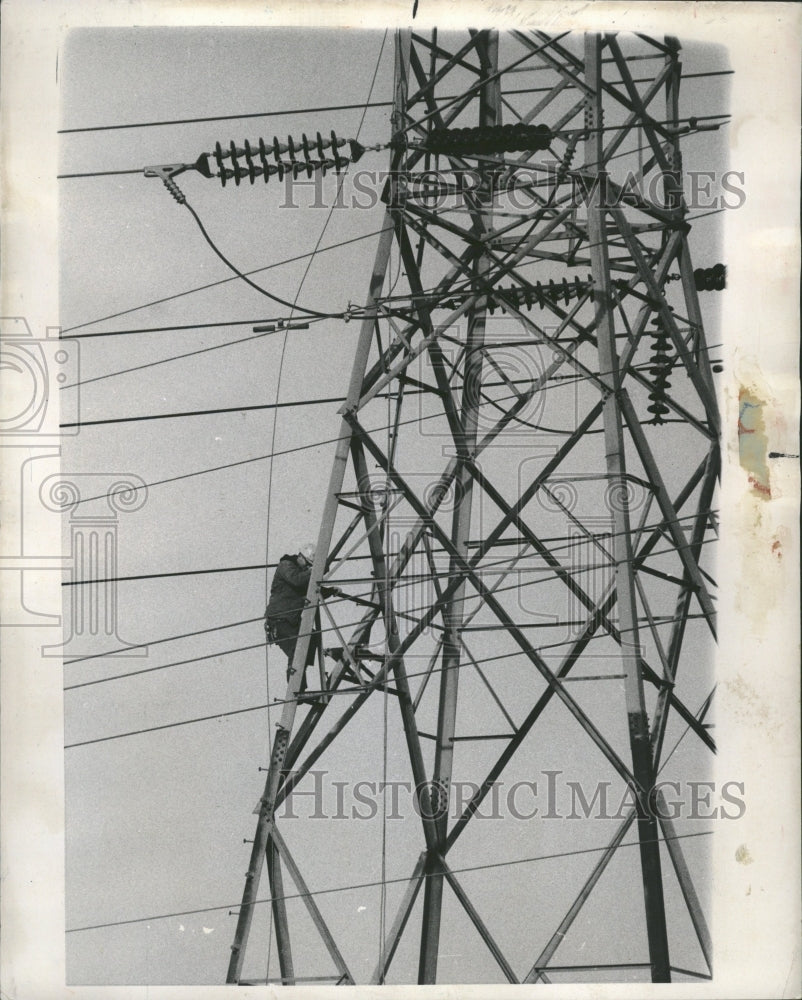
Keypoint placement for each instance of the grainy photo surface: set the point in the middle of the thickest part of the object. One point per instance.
(399, 522)
(392, 504)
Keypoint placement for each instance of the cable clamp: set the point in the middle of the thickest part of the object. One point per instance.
(166, 173)
(693, 125)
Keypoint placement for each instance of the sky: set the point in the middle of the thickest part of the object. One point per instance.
(156, 821)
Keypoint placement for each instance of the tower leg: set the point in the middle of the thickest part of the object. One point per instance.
(642, 762)
(489, 114)
(277, 901)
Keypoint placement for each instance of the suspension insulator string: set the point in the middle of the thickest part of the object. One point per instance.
(659, 368)
(710, 279)
(483, 139)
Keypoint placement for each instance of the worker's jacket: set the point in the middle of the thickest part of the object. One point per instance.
(288, 591)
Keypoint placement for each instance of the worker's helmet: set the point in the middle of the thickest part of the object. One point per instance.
(307, 550)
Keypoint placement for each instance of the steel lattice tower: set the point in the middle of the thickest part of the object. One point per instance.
(494, 558)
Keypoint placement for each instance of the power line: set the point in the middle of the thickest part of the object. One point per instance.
(203, 413)
(331, 107)
(247, 280)
(327, 441)
(173, 638)
(563, 380)
(228, 465)
(273, 406)
(204, 350)
(366, 885)
(189, 354)
(242, 649)
(163, 361)
(176, 327)
(159, 576)
(97, 173)
(257, 458)
(164, 666)
(570, 544)
(158, 642)
(226, 118)
(221, 653)
(466, 665)
(201, 288)
(201, 326)
(167, 725)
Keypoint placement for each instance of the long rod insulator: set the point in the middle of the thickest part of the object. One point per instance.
(539, 293)
(659, 369)
(542, 293)
(484, 139)
(268, 159)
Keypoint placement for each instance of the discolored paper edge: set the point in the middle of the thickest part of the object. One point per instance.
(756, 909)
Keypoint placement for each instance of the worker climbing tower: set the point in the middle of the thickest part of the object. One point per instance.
(517, 522)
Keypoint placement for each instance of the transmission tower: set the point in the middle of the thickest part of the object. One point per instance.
(521, 500)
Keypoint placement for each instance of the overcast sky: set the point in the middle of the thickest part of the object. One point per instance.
(155, 822)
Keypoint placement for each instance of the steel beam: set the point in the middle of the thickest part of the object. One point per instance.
(479, 924)
(466, 570)
(458, 263)
(311, 906)
(557, 938)
(284, 727)
(402, 916)
(278, 903)
(642, 763)
(454, 610)
(685, 880)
